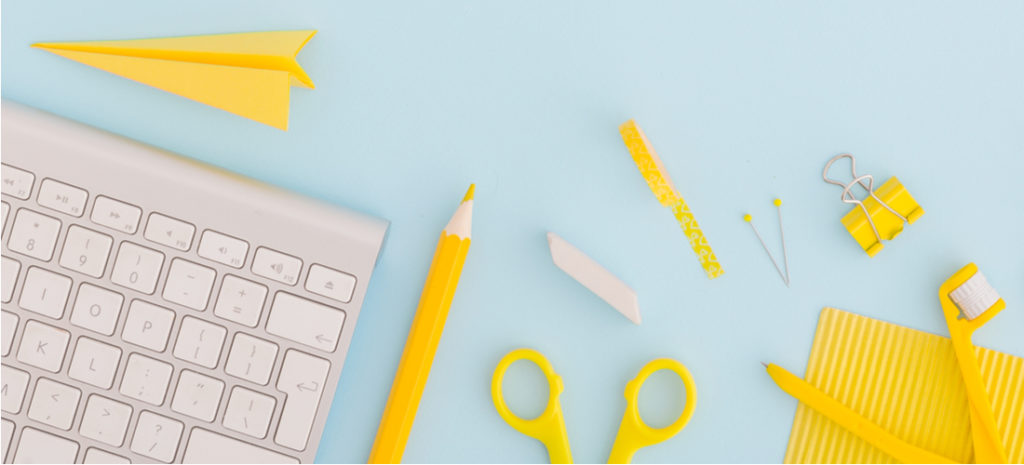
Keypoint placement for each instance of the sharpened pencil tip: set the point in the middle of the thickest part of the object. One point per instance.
(765, 364)
(469, 193)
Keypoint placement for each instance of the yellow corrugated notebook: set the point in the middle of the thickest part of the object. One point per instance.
(906, 381)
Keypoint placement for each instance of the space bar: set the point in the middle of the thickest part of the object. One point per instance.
(208, 447)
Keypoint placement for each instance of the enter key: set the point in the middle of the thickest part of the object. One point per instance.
(302, 378)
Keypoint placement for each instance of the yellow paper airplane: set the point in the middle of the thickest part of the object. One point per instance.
(249, 74)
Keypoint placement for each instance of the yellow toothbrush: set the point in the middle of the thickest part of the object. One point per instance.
(969, 293)
(851, 420)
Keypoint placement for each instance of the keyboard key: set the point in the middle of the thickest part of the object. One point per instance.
(275, 265)
(249, 412)
(86, 251)
(199, 342)
(9, 325)
(94, 363)
(137, 267)
(45, 292)
(61, 197)
(168, 231)
(302, 378)
(94, 455)
(148, 325)
(17, 182)
(240, 300)
(329, 283)
(251, 359)
(197, 396)
(105, 420)
(146, 379)
(33, 234)
(8, 432)
(4, 210)
(43, 346)
(10, 270)
(305, 321)
(209, 447)
(54, 404)
(223, 248)
(189, 284)
(157, 437)
(15, 382)
(116, 215)
(96, 309)
(38, 447)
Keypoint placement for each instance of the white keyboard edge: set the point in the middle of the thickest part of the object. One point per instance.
(159, 181)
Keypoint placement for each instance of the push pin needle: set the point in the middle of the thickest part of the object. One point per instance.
(749, 219)
(785, 256)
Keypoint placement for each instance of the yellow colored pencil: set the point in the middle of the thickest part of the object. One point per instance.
(851, 420)
(425, 334)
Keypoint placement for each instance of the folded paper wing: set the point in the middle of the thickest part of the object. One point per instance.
(249, 74)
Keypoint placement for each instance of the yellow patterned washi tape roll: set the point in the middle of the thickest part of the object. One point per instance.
(657, 178)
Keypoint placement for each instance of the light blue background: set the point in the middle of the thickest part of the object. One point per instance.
(745, 101)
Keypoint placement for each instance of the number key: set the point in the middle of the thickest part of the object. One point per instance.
(34, 234)
(137, 267)
(85, 251)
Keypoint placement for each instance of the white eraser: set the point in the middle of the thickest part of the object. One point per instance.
(594, 277)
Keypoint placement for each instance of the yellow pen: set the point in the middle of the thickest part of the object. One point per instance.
(425, 334)
(846, 417)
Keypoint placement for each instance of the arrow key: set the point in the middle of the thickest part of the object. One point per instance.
(54, 403)
(105, 420)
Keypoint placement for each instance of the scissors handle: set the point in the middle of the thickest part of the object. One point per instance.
(549, 427)
(634, 434)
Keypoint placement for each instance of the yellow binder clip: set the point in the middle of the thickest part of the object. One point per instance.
(882, 214)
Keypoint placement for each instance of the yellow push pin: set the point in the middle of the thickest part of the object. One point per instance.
(750, 220)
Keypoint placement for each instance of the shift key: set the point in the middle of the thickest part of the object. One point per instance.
(302, 378)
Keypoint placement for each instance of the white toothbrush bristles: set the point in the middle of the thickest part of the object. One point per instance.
(975, 296)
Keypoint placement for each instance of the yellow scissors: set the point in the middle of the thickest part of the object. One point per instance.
(549, 427)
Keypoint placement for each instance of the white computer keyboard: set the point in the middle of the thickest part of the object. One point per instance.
(159, 310)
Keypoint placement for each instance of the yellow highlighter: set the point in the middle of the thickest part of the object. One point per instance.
(968, 293)
(846, 417)
(424, 336)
